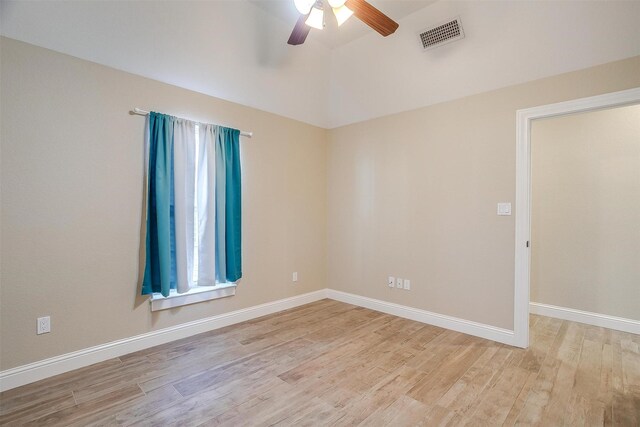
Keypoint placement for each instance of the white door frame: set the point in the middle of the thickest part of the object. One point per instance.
(523, 191)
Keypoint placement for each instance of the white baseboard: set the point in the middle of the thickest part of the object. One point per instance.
(595, 319)
(36, 371)
(448, 322)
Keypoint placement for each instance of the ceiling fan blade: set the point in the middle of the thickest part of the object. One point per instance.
(300, 31)
(372, 17)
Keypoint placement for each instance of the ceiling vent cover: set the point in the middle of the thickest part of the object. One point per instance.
(441, 34)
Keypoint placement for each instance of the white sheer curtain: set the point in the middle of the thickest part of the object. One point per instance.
(184, 171)
(206, 205)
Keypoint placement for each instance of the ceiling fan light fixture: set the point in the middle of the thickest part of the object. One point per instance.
(335, 4)
(304, 6)
(316, 18)
(342, 13)
(361, 9)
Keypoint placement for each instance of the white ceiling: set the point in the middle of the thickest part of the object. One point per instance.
(332, 36)
(228, 49)
(506, 43)
(236, 49)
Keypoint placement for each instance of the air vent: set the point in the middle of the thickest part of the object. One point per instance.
(441, 34)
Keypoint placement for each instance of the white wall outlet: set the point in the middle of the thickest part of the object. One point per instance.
(44, 325)
(407, 284)
(391, 281)
(398, 283)
(295, 276)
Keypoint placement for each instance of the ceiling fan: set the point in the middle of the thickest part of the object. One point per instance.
(312, 16)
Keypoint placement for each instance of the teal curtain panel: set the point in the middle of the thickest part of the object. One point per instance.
(228, 206)
(159, 273)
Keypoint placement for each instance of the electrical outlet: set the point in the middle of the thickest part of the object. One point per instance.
(295, 276)
(398, 283)
(407, 284)
(391, 282)
(44, 325)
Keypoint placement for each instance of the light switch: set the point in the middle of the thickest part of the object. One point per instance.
(504, 208)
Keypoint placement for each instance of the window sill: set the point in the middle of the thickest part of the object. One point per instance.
(195, 295)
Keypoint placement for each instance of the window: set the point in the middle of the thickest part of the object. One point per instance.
(194, 252)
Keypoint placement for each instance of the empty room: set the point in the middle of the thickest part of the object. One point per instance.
(320, 212)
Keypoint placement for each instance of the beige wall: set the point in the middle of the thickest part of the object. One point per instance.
(414, 195)
(586, 211)
(72, 170)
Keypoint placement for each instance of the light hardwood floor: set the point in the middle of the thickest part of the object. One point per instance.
(330, 363)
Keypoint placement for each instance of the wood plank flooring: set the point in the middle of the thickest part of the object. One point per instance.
(330, 363)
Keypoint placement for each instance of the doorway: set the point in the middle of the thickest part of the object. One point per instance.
(524, 120)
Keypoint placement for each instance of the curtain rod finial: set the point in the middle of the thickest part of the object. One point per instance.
(140, 111)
